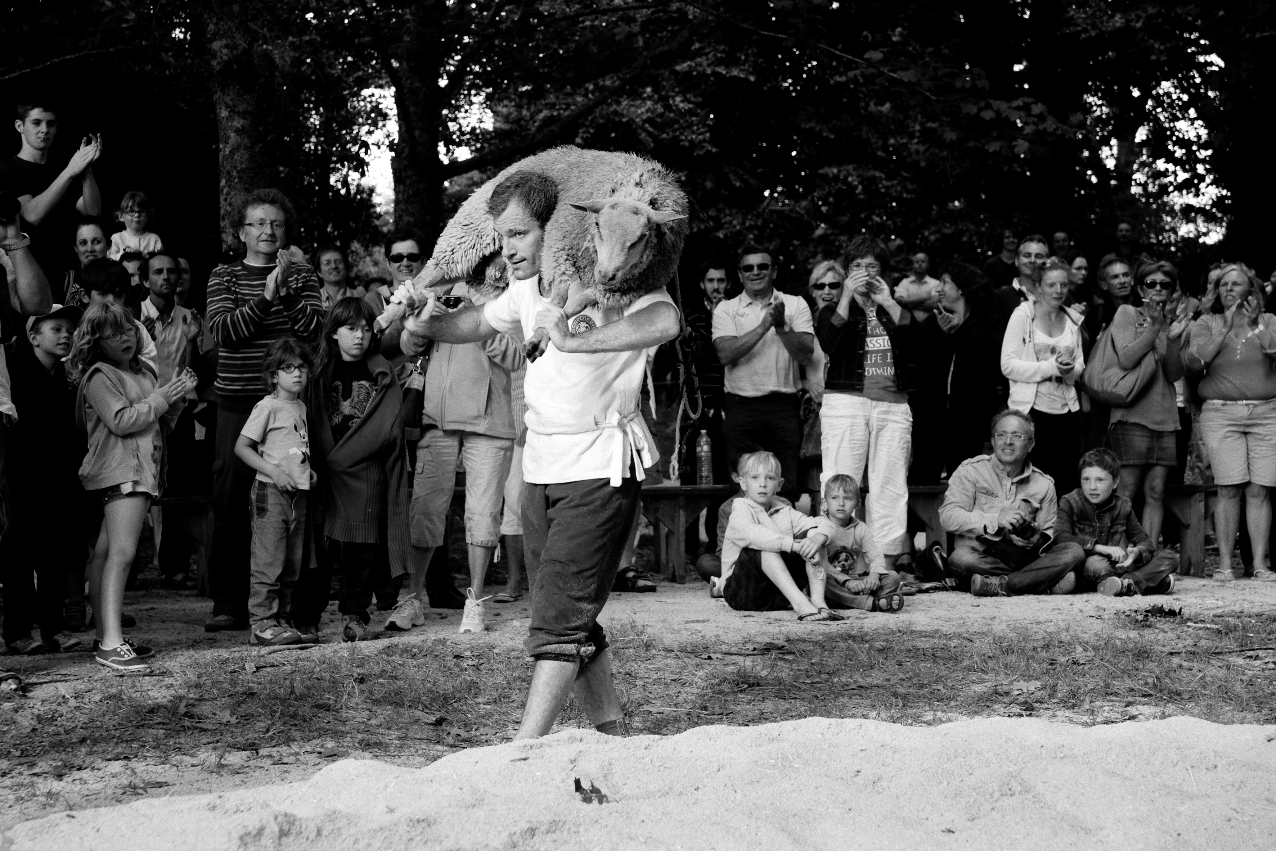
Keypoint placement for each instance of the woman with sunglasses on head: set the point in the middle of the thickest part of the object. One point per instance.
(865, 421)
(1234, 343)
(1143, 435)
(1041, 355)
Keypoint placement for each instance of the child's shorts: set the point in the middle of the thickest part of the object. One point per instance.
(748, 589)
(123, 491)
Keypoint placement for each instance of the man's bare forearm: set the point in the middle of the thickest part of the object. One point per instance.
(800, 346)
(463, 326)
(651, 326)
(731, 349)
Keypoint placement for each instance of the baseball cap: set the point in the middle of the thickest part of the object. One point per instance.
(70, 311)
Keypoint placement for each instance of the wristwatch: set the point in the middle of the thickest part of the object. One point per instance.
(16, 244)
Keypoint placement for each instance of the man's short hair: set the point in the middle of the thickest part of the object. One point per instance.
(716, 263)
(106, 276)
(132, 257)
(1033, 237)
(144, 271)
(1020, 415)
(278, 353)
(760, 460)
(842, 483)
(1104, 459)
(403, 235)
(867, 245)
(30, 104)
(1111, 260)
(267, 196)
(329, 249)
(753, 248)
(537, 192)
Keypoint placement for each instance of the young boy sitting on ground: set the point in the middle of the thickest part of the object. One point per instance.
(771, 553)
(1119, 559)
(857, 577)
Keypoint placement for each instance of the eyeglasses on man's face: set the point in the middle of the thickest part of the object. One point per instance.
(411, 257)
(749, 267)
(1010, 437)
(262, 224)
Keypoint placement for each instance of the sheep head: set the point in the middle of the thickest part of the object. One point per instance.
(622, 229)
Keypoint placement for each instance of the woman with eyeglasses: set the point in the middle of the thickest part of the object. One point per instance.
(824, 287)
(1041, 355)
(865, 421)
(1143, 435)
(1235, 345)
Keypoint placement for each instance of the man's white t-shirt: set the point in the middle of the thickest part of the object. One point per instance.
(768, 367)
(583, 418)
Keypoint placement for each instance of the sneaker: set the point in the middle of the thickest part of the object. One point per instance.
(407, 614)
(1221, 575)
(988, 586)
(141, 651)
(61, 642)
(472, 620)
(354, 630)
(1262, 574)
(218, 623)
(1115, 586)
(1165, 586)
(26, 646)
(1066, 585)
(121, 658)
(272, 634)
(74, 617)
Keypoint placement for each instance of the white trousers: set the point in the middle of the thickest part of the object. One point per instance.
(859, 435)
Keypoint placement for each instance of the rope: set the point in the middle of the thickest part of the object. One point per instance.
(687, 381)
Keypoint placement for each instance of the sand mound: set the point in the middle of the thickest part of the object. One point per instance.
(816, 783)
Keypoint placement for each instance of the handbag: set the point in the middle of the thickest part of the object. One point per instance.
(1107, 382)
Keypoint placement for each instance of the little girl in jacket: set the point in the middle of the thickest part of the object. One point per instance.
(120, 408)
(359, 454)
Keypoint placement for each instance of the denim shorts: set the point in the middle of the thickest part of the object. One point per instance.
(1240, 438)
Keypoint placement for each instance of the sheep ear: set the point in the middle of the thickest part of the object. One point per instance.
(591, 206)
(663, 217)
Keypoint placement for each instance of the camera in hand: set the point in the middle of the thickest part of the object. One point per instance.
(451, 302)
(1024, 530)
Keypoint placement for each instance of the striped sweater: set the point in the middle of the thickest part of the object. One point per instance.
(244, 323)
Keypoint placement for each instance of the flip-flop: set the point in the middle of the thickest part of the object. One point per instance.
(833, 616)
(891, 603)
(821, 616)
(506, 598)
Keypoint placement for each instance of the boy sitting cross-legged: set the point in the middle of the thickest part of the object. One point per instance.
(856, 570)
(770, 555)
(1119, 554)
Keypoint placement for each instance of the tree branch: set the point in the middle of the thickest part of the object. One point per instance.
(543, 136)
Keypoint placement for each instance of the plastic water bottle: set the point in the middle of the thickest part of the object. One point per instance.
(704, 459)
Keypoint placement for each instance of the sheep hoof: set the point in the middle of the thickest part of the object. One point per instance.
(536, 346)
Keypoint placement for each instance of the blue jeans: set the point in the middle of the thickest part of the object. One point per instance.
(278, 541)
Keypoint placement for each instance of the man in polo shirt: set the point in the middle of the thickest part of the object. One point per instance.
(586, 449)
(762, 337)
(251, 304)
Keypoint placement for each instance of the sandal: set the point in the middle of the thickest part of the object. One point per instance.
(823, 615)
(505, 597)
(627, 579)
(832, 615)
(891, 603)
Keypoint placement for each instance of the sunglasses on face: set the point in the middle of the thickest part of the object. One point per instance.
(1158, 284)
(829, 286)
(411, 257)
(761, 267)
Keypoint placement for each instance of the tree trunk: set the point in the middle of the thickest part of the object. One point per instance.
(243, 75)
(414, 66)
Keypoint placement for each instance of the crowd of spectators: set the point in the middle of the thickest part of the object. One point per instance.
(1057, 410)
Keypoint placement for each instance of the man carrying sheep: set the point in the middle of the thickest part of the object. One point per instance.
(586, 447)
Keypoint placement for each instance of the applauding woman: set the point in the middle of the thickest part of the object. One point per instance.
(1041, 355)
(1143, 435)
(1235, 344)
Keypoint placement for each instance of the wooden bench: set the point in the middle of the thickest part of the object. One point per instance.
(671, 508)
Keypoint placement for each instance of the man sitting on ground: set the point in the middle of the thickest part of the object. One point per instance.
(1002, 510)
(770, 558)
(1119, 554)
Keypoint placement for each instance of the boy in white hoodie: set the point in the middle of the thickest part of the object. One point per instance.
(771, 553)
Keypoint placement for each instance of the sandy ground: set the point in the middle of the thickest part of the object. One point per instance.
(994, 782)
(816, 783)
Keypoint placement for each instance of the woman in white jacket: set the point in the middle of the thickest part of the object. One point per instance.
(1041, 354)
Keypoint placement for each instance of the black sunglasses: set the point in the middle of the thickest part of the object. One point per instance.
(412, 257)
(761, 267)
(822, 286)
(1159, 285)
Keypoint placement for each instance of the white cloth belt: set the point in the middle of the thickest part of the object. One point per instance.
(629, 441)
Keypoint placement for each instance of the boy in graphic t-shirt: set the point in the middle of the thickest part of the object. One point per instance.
(865, 420)
(275, 442)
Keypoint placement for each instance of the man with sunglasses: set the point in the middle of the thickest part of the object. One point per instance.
(251, 303)
(762, 337)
